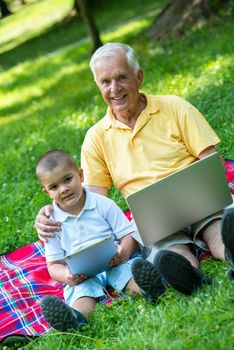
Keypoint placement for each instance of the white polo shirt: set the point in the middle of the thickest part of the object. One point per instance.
(99, 218)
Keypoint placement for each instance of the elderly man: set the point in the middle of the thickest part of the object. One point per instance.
(143, 138)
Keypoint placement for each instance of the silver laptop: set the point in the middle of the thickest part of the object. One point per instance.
(180, 199)
(94, 259)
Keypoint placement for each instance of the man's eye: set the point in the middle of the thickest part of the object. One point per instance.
(105, 82)
(122, 77)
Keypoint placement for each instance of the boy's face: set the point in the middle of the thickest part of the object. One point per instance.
(64, 185)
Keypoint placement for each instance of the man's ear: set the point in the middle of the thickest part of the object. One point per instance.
(81, 174)
(140, 75)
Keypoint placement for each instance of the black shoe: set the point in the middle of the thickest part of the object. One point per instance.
(227, 232)
(61, 316)
(179, 273)
(148, 279)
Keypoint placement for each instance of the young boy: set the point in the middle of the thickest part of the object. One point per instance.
(84, 217)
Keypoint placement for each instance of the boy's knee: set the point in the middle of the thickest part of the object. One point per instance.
(132, 287)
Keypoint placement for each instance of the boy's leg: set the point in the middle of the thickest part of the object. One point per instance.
(61, 316)
(82, 300)
(132, 287)
(85, 306)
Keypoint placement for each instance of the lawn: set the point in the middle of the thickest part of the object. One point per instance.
(48, 100)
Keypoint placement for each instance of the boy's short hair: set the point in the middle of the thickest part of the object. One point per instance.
(52, 159)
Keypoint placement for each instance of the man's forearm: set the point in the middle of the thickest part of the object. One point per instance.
(98, 189)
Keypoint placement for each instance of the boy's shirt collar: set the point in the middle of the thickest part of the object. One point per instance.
(61, 215)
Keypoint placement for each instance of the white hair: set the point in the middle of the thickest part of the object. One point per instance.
(109, 50)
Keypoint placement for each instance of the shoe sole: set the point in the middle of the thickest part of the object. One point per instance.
(227, 229)
(58, 314)
(179, 273)
(148, 278)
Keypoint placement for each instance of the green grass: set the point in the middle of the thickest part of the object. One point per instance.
(48, 100)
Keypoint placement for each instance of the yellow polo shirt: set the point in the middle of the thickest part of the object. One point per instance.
(169, 134)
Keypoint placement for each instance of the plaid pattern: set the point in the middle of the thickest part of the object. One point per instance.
(24, 281)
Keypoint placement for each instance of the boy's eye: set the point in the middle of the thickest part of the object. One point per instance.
(68, 179)
(53, 188)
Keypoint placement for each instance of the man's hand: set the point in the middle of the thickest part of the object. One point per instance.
(45, 227)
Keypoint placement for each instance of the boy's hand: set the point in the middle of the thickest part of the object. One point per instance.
(74, 280)
(231, 187)
(44, 226)
(121, 256)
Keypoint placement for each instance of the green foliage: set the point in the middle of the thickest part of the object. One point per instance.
(48, 100)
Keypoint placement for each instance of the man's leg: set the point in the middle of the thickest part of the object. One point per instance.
(148, 279)
(179, 267)
(227, 232)
(211, 235)
(219, 237)
(184, 250)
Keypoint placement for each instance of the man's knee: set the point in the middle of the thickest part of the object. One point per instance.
(211, 232)
(180, 248)
(185, 251)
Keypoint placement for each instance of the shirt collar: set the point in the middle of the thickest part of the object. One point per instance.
(150, 109)
(61, 215)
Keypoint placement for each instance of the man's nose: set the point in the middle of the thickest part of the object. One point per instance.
(114, 86)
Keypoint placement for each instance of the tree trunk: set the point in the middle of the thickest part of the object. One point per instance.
(177, 15)
(90, 23)
(4, 9)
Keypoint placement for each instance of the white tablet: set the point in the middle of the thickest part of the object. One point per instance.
(94, 259)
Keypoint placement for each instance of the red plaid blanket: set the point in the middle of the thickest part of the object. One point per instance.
(24, 281)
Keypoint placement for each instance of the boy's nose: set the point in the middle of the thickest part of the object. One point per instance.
(63, 188)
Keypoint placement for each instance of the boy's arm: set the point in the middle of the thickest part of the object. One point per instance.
(127, 247)
(60, 272)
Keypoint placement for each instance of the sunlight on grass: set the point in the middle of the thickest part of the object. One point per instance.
(10, 119)
(212, 72)
(79, 120)
(30, 21)
(217, 68)
(130, 27)
(30, 92)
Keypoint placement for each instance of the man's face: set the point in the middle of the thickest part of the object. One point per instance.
(118, 83)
